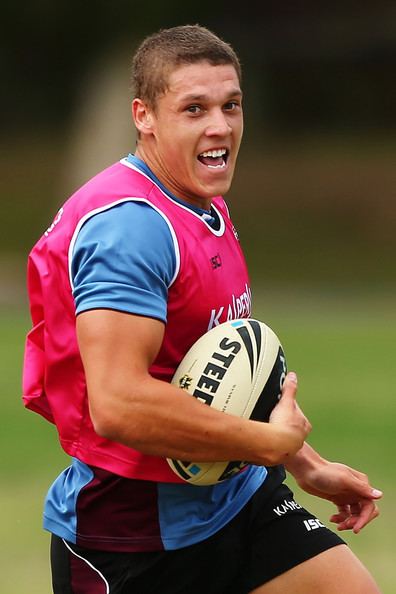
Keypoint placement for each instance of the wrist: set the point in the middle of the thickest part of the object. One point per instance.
(304, 461)
(280, 444)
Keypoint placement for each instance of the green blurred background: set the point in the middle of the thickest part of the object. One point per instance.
(313, 201)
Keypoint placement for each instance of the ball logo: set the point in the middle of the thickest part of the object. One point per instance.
(215, 371)
(185, 382)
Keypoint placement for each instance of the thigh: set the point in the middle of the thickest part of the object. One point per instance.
(282, 536)
(335, 570)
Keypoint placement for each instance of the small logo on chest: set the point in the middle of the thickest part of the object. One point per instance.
(215, 261)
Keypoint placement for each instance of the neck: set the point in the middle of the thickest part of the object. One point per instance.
(170, 184)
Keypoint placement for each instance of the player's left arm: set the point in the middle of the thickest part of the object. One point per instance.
(347, 488)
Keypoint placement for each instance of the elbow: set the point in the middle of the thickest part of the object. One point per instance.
(109, 423)
(104, 425)
(105, 417)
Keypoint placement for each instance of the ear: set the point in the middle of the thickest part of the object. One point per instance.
(142, 116)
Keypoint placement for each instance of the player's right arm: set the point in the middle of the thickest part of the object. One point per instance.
(129, 406)
(120, 284)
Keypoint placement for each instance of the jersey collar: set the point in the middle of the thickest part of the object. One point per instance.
(144, 168)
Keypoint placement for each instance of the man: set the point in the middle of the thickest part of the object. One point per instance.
(121, 285)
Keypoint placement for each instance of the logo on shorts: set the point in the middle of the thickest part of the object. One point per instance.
(286, 506)
(312, 524)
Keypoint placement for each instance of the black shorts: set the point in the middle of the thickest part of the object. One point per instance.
(269, 536)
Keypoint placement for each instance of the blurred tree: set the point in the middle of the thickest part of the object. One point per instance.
(307, 63)
(309, 68)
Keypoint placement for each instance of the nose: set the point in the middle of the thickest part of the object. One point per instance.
(218, 124)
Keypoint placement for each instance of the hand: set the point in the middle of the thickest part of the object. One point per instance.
(347, 488)
(288, 416)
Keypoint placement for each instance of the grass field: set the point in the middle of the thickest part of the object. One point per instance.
(344, 355)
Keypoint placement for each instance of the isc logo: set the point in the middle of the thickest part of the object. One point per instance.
(313, 524)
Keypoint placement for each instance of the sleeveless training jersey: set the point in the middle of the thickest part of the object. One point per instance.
(203, 256)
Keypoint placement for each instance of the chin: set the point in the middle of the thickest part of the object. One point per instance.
(220, 189)
(216, 187)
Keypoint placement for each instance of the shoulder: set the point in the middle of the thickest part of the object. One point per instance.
(132, 221)
(124, 258)
(125, 234)
(130, 211)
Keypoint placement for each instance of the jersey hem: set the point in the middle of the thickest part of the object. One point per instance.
(124, 467)
(116, 307)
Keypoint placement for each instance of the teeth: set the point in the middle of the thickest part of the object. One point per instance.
(216, 166)
(215, 153)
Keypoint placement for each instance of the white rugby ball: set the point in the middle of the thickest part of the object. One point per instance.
(237, 367)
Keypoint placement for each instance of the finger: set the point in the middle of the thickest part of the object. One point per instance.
(360, 515)
(358, 483)
(347, 517)
(340, 518)
(368, 512)
(348, 524)
(355, 509)
(343, 514)
(368, 492)
(376, 494)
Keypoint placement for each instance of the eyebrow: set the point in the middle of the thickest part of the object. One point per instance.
(202, 97)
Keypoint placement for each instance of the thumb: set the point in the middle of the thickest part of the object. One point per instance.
(289, 388)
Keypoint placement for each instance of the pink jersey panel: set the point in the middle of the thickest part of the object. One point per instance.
(211, 286)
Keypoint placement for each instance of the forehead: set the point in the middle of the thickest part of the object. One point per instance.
(203, 79)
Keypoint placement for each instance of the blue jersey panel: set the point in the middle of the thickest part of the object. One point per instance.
(124, 514)
(190, 513)
(60, 505)
(124, 259)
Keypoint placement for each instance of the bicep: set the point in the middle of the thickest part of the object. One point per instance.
(117, 350)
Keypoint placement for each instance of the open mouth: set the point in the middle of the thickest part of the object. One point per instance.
(214, 159)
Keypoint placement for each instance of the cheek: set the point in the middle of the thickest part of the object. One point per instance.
(178, 147)
(238, 133)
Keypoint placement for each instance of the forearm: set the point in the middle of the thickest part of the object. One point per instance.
(130, 406)
(159, 419)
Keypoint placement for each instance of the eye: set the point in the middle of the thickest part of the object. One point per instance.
(231, 105)
(194, 109)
